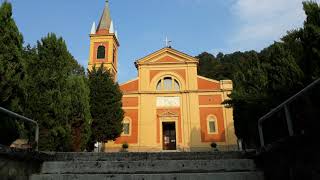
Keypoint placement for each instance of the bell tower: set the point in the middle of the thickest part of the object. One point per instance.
(104, 44)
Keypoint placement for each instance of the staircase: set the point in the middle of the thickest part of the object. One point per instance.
(149, 166)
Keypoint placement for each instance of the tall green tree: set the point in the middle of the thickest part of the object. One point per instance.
(310, 38)
(53, 87)
(261, 81)
(249, 95)
(284, 75)
(106, 105)
(80, 117)
(11, 72)
(46, 90)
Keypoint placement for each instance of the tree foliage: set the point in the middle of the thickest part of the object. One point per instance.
(106, 105)
(310, 39)
(11, 72)
(57, 95)
(80, 116)
(262, 80)
(45, 83)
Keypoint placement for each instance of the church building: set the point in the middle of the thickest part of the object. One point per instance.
(168, 107)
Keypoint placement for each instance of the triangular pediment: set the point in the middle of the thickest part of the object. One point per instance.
(167, 56)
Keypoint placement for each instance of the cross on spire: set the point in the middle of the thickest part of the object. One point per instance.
(168, 42)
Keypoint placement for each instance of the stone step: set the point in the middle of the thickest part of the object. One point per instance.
(158, 166)
(145, 156)
(173, 176)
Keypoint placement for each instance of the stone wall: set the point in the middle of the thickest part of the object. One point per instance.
(19, 164)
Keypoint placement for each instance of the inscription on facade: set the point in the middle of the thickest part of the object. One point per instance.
(168, 101)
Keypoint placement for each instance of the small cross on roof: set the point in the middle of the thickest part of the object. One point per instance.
(168, 42)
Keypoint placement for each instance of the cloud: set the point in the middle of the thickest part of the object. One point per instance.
(263, 21)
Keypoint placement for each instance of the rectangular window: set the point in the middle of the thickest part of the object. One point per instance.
(212, 127)
(126, 128)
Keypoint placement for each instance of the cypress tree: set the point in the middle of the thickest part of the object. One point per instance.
(80, 117)
(47, 101)
(11, 72)
(57, 95)
(284, 74)
(310, 38)
(106, 105)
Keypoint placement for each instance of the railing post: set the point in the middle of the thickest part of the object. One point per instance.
(15, 115)
(261, 133)
(37, 137)
(289, 120)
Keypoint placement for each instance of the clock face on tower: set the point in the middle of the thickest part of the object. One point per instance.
(168, 101)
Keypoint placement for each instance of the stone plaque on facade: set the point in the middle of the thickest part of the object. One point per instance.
(168, 101)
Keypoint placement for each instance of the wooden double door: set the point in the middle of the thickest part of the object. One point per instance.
(169, 136)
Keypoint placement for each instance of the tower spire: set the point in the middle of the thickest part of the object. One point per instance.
(105, 20)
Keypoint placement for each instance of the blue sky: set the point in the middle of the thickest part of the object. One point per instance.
(194, 26)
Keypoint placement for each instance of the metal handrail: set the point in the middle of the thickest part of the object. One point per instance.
(287, 113)
(15, 115)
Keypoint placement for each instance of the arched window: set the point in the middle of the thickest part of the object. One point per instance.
(168, 84)
(101, 52)
(159, 85)
(176, 85)
(212, 124)
(126, 127)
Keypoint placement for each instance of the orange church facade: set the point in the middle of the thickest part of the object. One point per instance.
(168, 107)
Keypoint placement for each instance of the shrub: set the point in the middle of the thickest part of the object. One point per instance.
(213, 145)
(125, 145)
